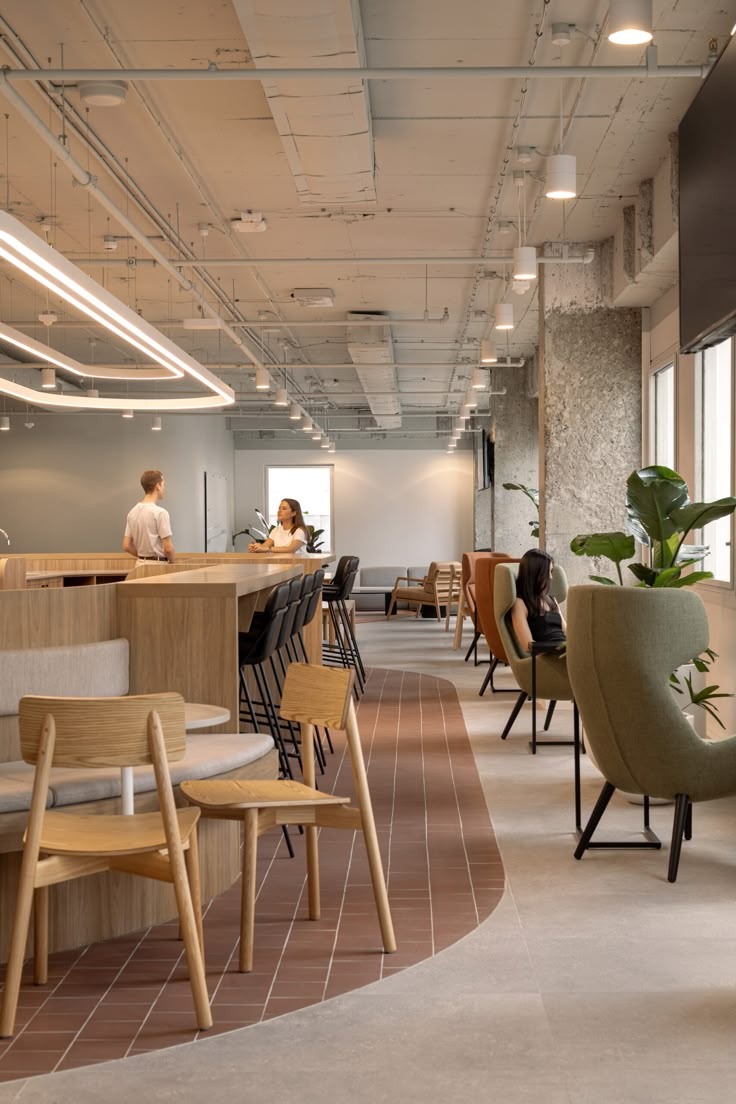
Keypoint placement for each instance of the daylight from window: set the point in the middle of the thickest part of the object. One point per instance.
(311, 485)
(714, 378)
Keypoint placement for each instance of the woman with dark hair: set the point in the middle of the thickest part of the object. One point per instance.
(534, 615)
(290, 535)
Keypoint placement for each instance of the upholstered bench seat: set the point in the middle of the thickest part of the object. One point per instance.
(206, 757)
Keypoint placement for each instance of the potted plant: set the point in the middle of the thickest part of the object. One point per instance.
(313, 542)
(533, 495)
(659, 517)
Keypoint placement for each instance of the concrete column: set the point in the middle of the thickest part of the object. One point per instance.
(589, 406)
(514, 418)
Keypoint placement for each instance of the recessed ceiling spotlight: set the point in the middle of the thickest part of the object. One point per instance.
(103, 93)
(630, 22)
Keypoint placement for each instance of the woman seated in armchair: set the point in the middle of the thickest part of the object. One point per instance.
(535, 616)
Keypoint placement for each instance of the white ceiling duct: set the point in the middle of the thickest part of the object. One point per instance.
(325, 128)
(371, 351)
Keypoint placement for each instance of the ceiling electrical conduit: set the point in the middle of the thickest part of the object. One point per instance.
(404, 72)
(86, 180)
(252, 262)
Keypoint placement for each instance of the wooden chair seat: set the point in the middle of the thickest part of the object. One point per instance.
(229, 794)
(72, 834)
(312, 696)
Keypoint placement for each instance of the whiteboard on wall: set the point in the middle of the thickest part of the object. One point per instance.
(216, 513)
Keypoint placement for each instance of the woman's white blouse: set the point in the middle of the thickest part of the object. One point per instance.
(282, 538)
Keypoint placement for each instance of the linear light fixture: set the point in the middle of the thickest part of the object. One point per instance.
(37, 349)
(43, 264)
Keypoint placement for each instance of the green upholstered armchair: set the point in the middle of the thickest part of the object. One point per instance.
(551, 674)
(623, 643)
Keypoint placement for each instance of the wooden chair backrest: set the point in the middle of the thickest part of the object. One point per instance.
(441, 581)
(102, 732)
(317, 695)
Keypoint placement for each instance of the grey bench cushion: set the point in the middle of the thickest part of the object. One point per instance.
(207, 755)
(97, 670)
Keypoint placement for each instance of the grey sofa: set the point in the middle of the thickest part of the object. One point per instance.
(374, 582)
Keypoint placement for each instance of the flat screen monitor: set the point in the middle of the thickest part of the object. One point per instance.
(707, 233)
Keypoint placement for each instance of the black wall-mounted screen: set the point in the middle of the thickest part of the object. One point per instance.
(708, 210)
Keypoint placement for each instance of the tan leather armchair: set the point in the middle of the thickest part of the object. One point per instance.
(435, 589)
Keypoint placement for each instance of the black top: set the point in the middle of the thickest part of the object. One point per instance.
(546, 628)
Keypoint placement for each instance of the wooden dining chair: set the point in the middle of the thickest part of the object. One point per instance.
(60, 846)
(312, 696)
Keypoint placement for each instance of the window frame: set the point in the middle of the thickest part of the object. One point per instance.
(716, 585)
(330, 550)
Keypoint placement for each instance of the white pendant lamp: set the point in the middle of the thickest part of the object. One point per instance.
(471, 399)
(504, 313)
(4, 424)
(332, 447)
(525, 263)
(48, 379)
(281, 398)
(295, 412)
(478, 380)
(307, 424)
(316, 433)
(561, 177)
(326, 442)
(127, 414)
(156, 424)
(487, 354)
(263, 380)
(92, 393)
(630, 22)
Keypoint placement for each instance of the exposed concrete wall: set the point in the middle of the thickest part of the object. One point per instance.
(590, 407)
(517, 460)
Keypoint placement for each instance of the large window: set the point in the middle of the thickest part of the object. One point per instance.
(311, 484)
(663, 409)
(713, 449)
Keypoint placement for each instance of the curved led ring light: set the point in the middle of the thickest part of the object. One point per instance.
(25, 251)
(10, 336)
(81, 402)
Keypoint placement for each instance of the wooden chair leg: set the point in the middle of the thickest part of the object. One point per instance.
(363, 796)
(459, 622)
(191, 858)
(190, 938)
(41, 935)
(18, 940)
(248, 890)
(307, 732)
(391, 604)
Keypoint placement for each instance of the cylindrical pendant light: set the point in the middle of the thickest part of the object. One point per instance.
(504, 316)
(332, 447)
(92, 393)
(325, 443)
(127, 414)
(316, 433)
(48, 379)
(307, 424)
(451, 446)
(156, 424)
(471, 399)
(478, 380)
(561, 177)
(487, 353)
(456, 434)
(525, 262)
(263, 380)
(281, 398)
(295, 412)
(630, 22)
(4, 424)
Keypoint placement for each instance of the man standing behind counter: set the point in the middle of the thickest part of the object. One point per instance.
(148, 528)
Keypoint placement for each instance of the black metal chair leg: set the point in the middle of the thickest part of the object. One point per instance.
(245, 693)
(682, 802)
(486, 680)
(548, 718)
(473, 649)
(273, 722)
(514, 714)
(287, 840)
(352, 637)
(689, 822)
(593, 820)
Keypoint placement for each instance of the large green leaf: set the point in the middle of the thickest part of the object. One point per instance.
(693, 578)
(602, 579)
(613, 546)
(652, 494)
(647, 576)
(695, 515)
(530, 492)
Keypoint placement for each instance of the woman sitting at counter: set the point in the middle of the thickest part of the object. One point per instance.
(290, 535)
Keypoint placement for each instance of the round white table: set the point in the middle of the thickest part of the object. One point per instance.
(196, 716)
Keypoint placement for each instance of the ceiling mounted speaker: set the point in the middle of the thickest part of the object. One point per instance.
(504, 316)
(630, 22)
(561, 177)
(525, 263)
(487, 353)
(103, 93)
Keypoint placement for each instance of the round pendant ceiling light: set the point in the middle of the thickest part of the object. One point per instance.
(487, 355)
(102, 93)
(281, 397)
(263, 380)
(525, 263)
(504, 313)
(630, 22)
(561, 176)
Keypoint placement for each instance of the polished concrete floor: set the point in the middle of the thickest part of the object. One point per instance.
(595, 981)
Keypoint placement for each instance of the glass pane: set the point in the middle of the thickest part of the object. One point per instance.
(311, 484)
(664, 416)
(715, 452)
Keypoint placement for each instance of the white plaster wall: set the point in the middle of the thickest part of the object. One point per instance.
(67, 484)
(391, 507)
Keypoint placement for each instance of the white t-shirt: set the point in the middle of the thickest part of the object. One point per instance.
(282, 538)
(148, 524)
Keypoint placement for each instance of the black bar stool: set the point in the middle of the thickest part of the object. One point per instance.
(345, 651)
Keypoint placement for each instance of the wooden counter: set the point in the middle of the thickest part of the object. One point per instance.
(183, 628)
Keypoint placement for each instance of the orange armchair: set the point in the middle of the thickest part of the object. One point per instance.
(485, 571)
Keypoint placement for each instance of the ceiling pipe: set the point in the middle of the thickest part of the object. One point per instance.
(253, 262)
(176, 324)
(86, 180)
(404, 72)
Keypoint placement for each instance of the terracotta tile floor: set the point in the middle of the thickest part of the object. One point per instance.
(444, 874)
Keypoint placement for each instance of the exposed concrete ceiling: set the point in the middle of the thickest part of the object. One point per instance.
(380, 168)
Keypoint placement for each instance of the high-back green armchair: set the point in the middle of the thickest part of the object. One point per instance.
(623, 644)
